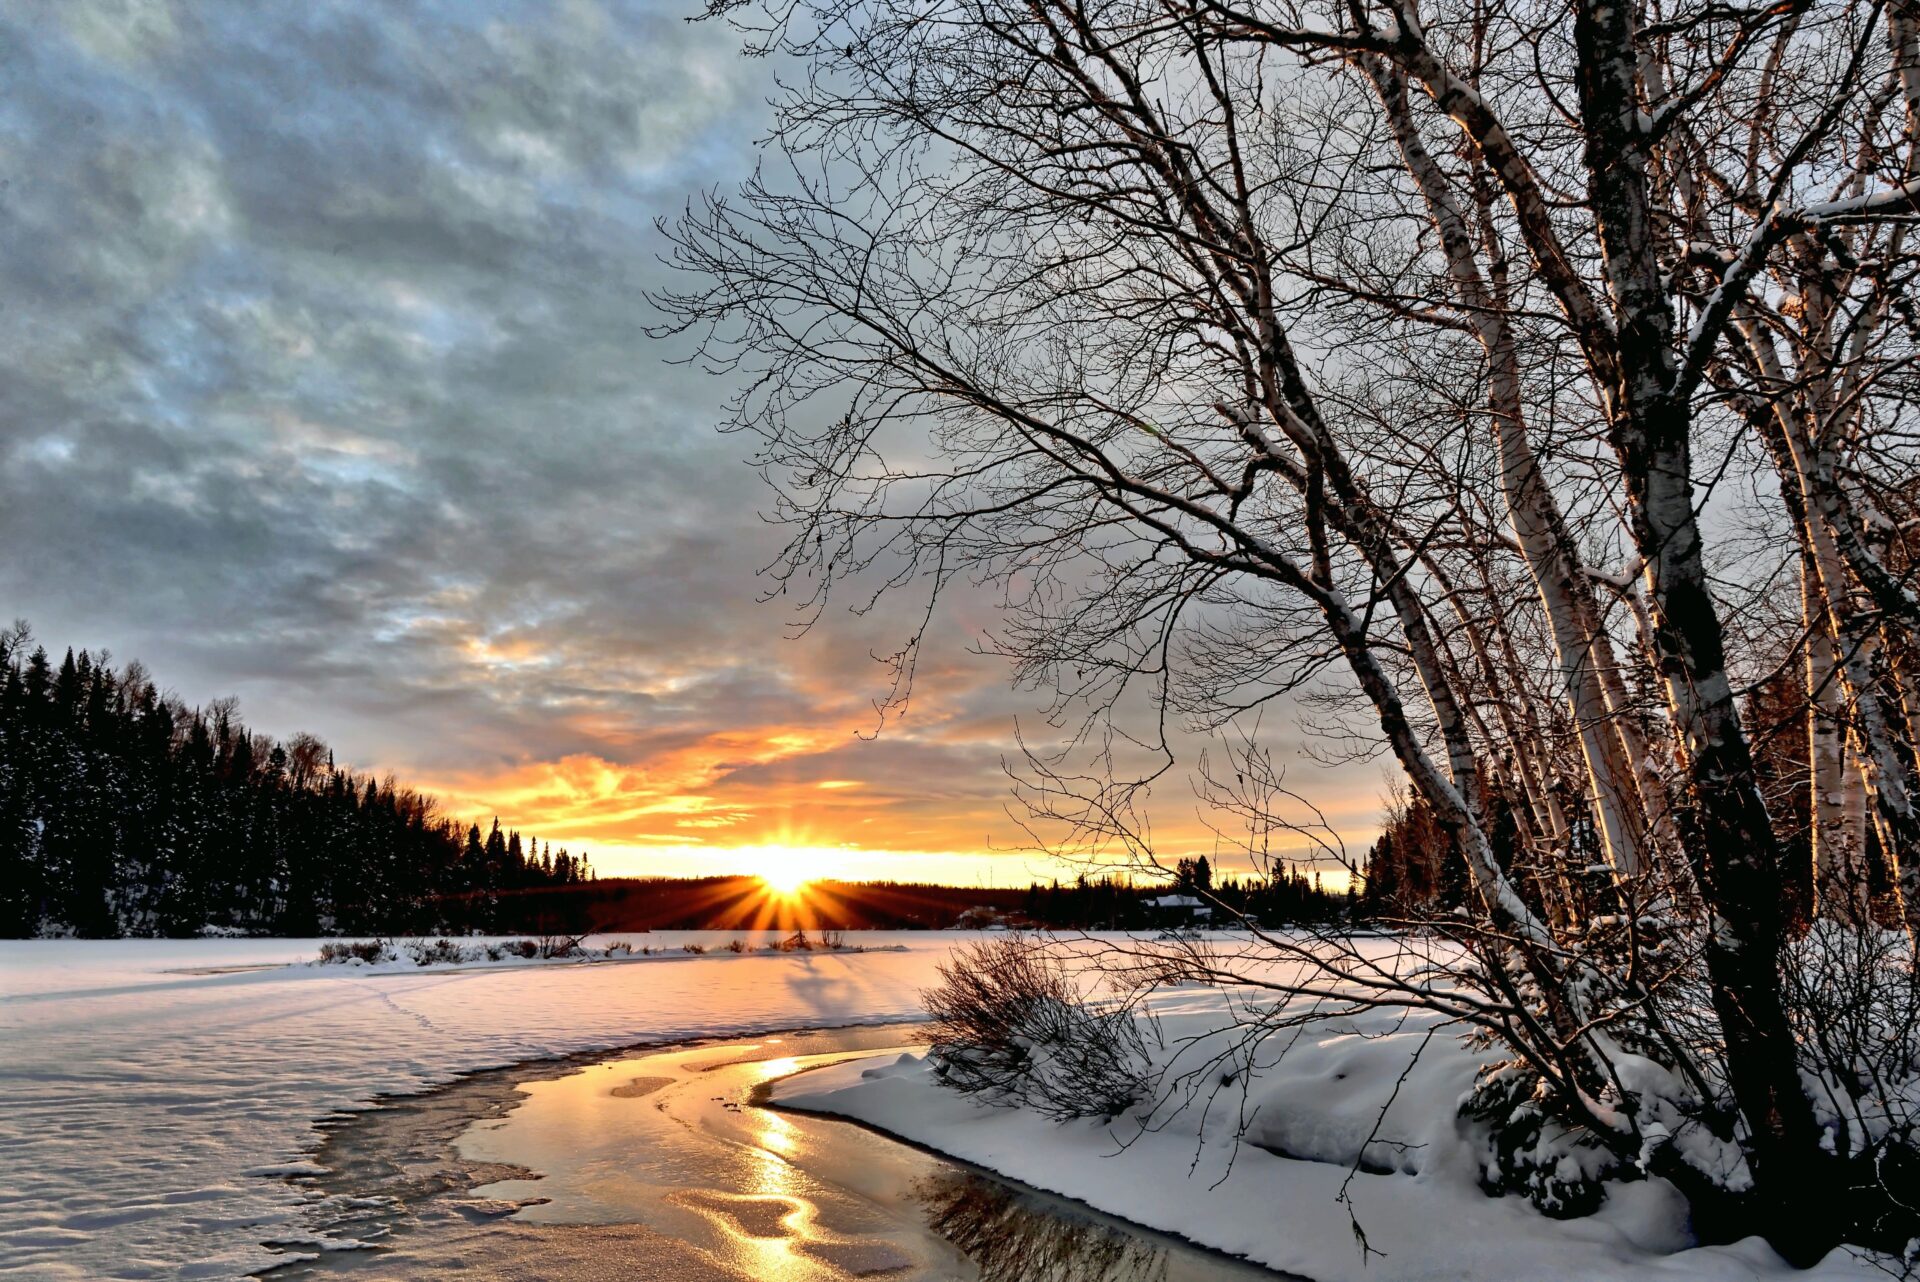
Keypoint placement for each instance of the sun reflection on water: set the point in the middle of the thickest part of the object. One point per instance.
(681, 1142)
(776, 1136)
(778, 1256)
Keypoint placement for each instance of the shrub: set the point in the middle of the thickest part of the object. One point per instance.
(738, 945)
(695, 949)
(1527, 1150)
(1854, 995)
(366, 951)
(797, 942)
(439, 952)
(619, 948)
(1011, 1027)
(833, 940)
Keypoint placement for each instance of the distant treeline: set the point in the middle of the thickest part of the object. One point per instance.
(1084, 903)
(1289, 897)
(125, 812)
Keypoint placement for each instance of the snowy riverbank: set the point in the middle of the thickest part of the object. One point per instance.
(154, 1093)
(1277, 1199)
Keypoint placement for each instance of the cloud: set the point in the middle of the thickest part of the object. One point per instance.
(324, 380)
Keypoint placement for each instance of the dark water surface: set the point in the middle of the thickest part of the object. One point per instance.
(663, 1165)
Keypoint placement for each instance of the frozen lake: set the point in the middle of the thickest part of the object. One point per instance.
(665, 1164)
(157, 1116)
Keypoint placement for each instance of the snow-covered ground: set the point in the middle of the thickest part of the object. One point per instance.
(146, 1110)
(1278, 1200)
(154, 1093)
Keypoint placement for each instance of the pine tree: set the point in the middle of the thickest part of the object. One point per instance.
(125, 813)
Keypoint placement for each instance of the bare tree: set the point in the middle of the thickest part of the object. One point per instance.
(1398, 357)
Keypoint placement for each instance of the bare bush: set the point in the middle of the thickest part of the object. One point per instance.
(367, 951)
(1012, 1027)
(440, 952)
(1855, 1004)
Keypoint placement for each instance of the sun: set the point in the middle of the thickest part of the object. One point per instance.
(784, 881)
(785, 870)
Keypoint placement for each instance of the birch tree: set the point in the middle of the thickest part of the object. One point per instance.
(1262, 347)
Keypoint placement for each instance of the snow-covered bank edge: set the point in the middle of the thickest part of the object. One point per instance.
(768, 1096)
(1189, 1179)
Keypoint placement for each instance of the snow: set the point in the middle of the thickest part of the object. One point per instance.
(1311, 1105)
(158, 1101)
(150, 1116)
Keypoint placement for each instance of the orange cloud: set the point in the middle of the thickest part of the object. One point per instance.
(731, 800)
(716, 758)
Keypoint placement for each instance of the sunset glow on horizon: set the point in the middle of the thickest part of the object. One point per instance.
(792, 805)
(453, 525)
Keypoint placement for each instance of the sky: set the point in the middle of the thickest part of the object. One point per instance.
(325, 382)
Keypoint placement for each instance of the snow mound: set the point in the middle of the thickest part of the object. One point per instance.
(1342, 1098)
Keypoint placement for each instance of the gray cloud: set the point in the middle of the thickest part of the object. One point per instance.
(323, 379)
(328, 322)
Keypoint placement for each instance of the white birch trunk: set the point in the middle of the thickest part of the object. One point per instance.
(1532, 509)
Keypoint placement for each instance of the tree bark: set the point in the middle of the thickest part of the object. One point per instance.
(1731, 839)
